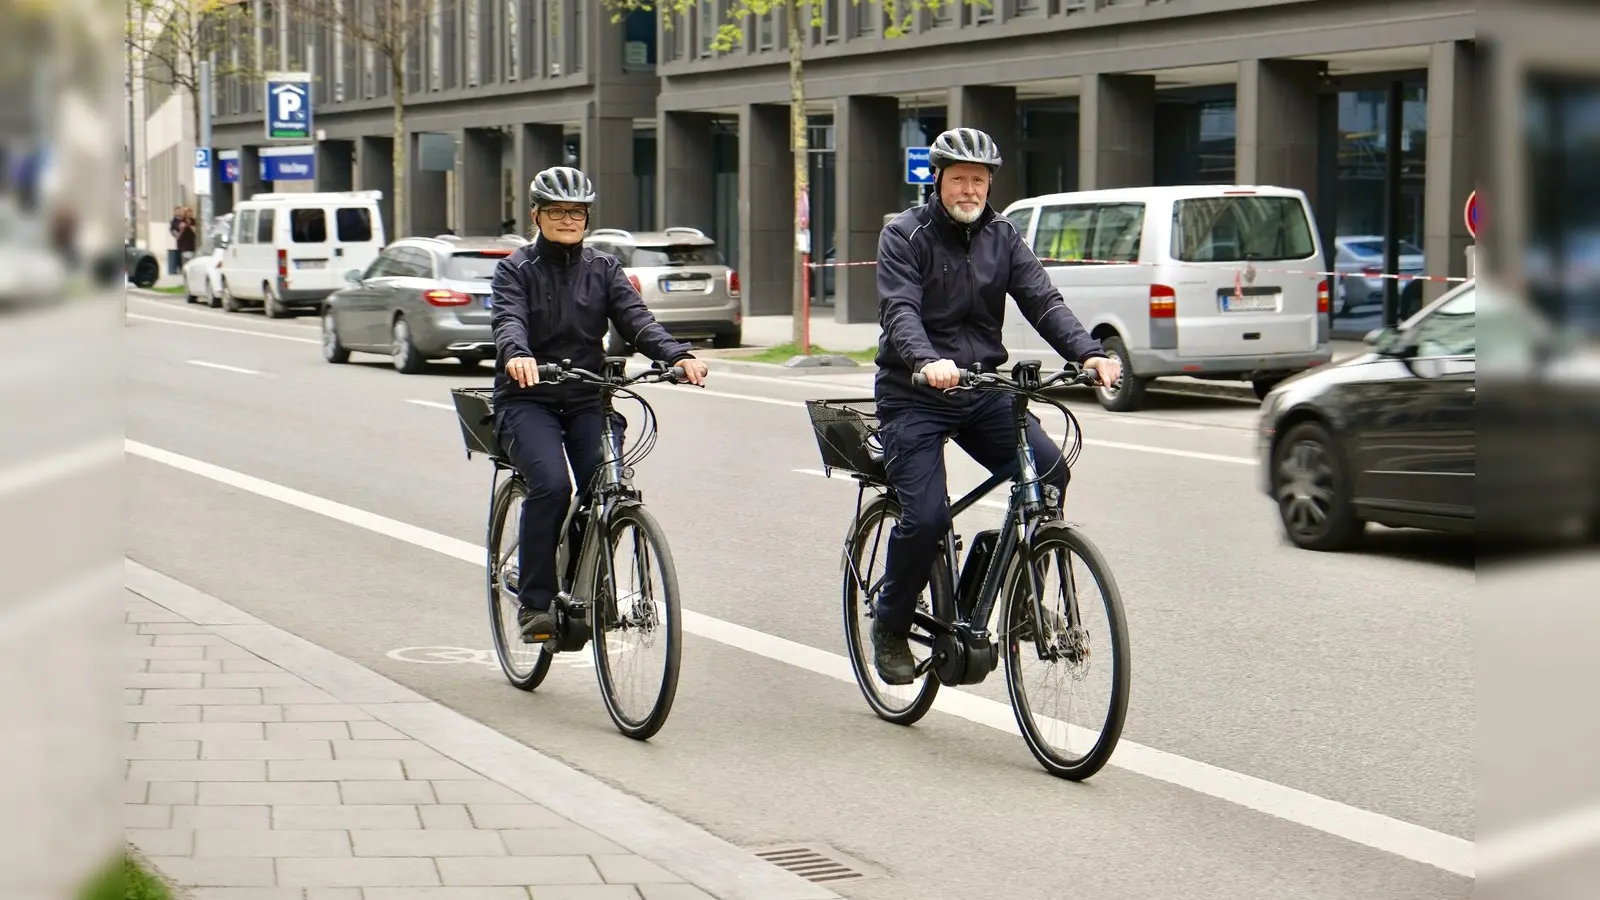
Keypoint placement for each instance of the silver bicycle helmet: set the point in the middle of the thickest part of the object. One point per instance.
(964, 145)
(561, 184)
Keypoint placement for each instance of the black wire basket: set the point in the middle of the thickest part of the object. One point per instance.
(847, 437)
(475, 410)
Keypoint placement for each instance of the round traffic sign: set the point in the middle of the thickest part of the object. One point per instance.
(1471, 214)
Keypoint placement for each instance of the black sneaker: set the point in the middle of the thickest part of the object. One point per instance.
(538, 625)
(892, 656)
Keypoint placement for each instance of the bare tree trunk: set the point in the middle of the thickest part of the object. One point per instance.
(399, 94)
(801, 144)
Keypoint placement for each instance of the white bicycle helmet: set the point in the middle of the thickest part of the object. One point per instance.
(561, 184)
(964, 145)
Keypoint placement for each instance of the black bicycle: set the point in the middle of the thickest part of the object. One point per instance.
(631, 614)
(954, 615)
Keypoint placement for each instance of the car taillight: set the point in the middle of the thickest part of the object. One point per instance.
(1322, 297)
(1163, 302)
(283, 264)
(446, 298)
(634, 280)
(733, 282)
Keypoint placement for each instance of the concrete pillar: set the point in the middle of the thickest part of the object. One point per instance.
(375, 172)
(1116, 132)
(335, 167)
(478, 183)
(766, 210)
(536, 146)
(427, 198)
(867, 186)
(1451, 175)
(249, 182)
(607, 152)
(685, 170)
(992, 110)
(1278, 106)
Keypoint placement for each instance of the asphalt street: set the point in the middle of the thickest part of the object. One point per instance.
(1341, 684)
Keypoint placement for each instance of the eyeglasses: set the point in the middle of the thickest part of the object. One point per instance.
(557, 213)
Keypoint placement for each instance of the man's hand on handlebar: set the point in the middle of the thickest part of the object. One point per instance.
(524, 370)
(694, 370)
(941, 374)
(1109, 370)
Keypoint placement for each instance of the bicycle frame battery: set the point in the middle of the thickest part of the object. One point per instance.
(973, 571)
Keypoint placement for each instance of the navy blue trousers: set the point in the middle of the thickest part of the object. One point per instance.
(541, 439)
(913, 442)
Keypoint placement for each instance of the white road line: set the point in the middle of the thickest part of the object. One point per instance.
(1540, 844)
(186, 309)
(1088, 442)
(60, 464)
(1413, 842)
(432, 404)
(222, 367)
(265, 334)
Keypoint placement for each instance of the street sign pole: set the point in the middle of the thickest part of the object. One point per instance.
(203, 177)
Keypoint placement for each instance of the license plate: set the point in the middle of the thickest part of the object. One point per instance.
(310, 263)
(681, 286)
(1247, 303)
(488, 302)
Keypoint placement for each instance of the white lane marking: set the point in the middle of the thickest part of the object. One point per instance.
(1088, 442)
(169, 306)
(1370, 829)
(225, 368)
(432, 404)
(991, 504)
(265, 334)
(1540, 844)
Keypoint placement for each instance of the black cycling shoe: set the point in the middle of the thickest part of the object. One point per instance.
(892, 656)
(538, 625)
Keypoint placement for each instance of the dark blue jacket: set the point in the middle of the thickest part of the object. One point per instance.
(942, 290)
(554, 302)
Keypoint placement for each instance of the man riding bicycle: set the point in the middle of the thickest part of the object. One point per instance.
(944, 270)
(553, 300)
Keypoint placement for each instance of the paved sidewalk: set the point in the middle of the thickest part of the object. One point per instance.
(263, 767)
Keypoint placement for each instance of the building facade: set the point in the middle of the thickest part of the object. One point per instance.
(1364, 104)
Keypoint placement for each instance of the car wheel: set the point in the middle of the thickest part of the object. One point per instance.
(332, 350)
(1312, 490)
(229, 301)
(1126, 395)
(146, 273)
(407, 361)
(271, 306)
(1261, 387)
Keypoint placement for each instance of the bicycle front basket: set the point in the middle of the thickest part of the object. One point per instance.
(475, 410)
(847, 436)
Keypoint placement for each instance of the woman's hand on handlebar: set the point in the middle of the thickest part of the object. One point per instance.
(524, 370)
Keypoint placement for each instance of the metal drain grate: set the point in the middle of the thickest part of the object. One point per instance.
(818, 863)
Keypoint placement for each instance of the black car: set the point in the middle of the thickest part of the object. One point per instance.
(1388, 436)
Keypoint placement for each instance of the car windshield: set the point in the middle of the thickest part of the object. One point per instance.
(1239, 228)
(1375, 248)
(668, 255)
(474, 265)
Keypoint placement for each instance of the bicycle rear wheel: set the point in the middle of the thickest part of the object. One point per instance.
(1083, 643)
(637, 616)
(524, 665)
(867, 552)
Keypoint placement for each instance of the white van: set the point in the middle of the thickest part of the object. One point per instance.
(290, 251)
(1208, 281)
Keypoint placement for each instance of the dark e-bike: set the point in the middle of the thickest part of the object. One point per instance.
(632, 611)
(1008, 566)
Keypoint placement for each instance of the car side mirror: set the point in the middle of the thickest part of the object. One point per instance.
(1390, 342)
(353, 276)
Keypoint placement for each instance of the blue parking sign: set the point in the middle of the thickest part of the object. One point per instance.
(918, 169)
(202, 157)
(289, 106)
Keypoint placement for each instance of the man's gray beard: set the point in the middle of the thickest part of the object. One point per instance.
(962, 216)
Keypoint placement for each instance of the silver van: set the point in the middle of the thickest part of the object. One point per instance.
(1208, 281)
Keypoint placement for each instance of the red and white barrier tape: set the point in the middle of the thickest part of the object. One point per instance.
(1440, 279)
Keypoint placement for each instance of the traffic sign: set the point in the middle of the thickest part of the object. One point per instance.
(202, 171)
(289, 106)
(1471, 214)
(918, 169)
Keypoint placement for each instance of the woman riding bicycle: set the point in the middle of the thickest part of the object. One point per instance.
(553, 301)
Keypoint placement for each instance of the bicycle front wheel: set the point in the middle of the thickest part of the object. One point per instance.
(1079, 653)
(638, 624)
(524, 665)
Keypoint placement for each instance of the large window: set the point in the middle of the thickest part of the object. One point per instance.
(1235, 229)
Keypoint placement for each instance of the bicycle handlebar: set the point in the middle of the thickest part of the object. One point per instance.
(565, 371)
(1071, 373)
